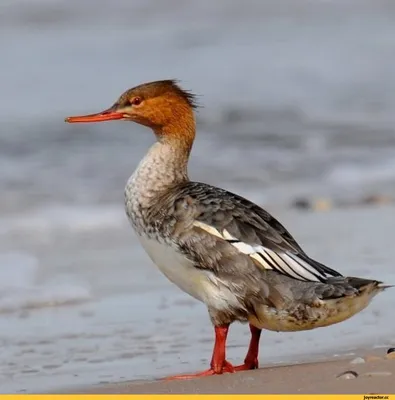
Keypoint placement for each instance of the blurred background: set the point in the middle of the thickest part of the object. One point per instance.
(299, 100)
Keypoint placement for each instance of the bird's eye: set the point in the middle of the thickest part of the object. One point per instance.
(136, 101)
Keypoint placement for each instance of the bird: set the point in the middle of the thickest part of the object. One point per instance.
(217, 246)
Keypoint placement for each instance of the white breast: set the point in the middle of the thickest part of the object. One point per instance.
(200, 284)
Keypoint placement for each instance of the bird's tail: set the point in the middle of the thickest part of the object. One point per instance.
(367, 285)
(383, 286)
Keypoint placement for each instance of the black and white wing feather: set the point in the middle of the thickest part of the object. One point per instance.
(253, 231)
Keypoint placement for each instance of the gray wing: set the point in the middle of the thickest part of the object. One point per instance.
(250, 230)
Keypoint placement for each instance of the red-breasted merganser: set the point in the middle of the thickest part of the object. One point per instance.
(217, 246)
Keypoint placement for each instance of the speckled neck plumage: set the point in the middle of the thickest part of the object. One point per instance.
(163, 167)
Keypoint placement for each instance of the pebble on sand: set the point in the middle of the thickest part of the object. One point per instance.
(321, 204)
(347, 375)
(302, 204)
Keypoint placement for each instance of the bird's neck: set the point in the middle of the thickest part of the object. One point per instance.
(164, 166)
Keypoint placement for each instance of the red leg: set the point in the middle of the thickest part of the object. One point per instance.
(218, 363)
(251, 360)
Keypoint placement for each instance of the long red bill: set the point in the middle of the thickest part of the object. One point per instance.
(107, 115)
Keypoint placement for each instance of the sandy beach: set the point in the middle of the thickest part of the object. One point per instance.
(369, 372)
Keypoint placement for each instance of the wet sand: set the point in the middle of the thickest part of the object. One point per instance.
(368, 372)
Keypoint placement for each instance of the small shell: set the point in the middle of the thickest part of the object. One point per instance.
(358, 360)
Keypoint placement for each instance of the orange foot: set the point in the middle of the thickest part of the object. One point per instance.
(227, 367)
(248, 365)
